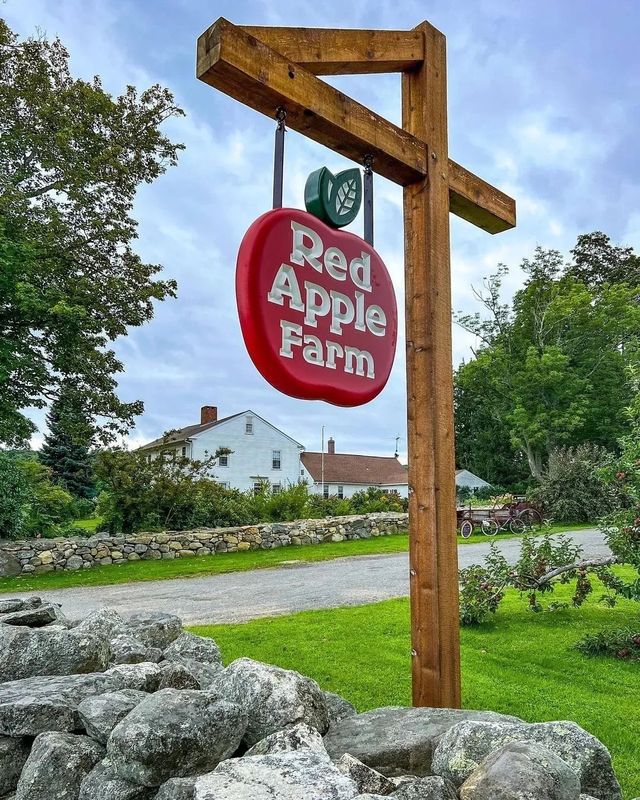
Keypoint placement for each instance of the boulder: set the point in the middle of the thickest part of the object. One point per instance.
(398, 741)
(102, 783)
(10, 567)
(177, 676)
(13, 754)
(126, 649)
(338, 708)
(365, 778)
(11, 605)
(34, 705)
(100, 714)
(272, 698)
(144, 676)
(105, 623)
(297, 775)
(297, 737)
(25, 652)
(431, 788)
(464, 746)
(177, 789)
(205, 675)
(154, 628)
(192, 647)
(521, 771)
(56, 766)
(174, 734)
(32, 617)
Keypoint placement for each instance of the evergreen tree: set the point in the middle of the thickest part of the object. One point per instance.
(66, 446)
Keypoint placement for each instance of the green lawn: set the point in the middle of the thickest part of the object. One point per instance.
(90, 524)
(520, 663)
(135, 571)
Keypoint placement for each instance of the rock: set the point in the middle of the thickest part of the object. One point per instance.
(155, 629)
(299, 775)
(175, 734)
(34, 705)
(366, 779)
(338, 708)
(11, 605)
(9, 565)
(464, 746)
(177, 789)
(74, 563)
(31, 617)
(521, 771)
(104, 623)
(195, 648)
(398, 741)
(144, 676)
(129, 650)
(177, 676)
(272, 698)
(102, 783)
(206, 675)
(431, 788)
(297, 737)
(13, 754)
(100, 714)
(45, 651)
(56, 766)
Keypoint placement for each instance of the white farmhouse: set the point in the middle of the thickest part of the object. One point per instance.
(260, 452)
(344, 474)
(465, 478)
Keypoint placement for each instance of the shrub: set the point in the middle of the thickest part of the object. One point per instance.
(14, 494)
(480, 594)
(574, 488)
(49, 508)
(623, 643)
(372, 499)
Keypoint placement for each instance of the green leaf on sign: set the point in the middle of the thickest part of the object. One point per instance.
(335, 199)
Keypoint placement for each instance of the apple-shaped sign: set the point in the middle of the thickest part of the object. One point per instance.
(317, 309)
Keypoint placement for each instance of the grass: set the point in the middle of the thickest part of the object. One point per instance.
(519, 663)
(90, 524)
(136, 571)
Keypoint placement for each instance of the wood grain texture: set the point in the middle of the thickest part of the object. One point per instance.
(479, 202)
(249, 71)
(331, 51)
(432, 510)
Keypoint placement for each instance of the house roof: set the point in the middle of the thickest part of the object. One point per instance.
(350, 468)
(183, 434)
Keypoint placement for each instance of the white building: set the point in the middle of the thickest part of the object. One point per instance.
(464, 478)
(344, 474)
(260, 452)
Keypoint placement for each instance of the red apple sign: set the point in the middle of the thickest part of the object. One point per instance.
(317, 309)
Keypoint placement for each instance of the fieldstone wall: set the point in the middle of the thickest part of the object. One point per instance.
(46, 555)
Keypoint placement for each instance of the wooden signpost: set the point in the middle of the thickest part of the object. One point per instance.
(270, 68)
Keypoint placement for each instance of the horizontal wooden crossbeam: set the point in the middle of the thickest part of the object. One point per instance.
(234, 60)
(327, 51)
(249, 71)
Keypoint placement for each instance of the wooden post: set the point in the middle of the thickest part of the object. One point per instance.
(432, 510)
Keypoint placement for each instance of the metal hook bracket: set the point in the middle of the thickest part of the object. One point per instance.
(368, 199)
(278, 157)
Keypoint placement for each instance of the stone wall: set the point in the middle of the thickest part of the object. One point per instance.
(46, 555)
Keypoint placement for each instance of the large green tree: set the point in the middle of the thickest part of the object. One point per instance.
(66, 448)
(71, 159)
(550, 368)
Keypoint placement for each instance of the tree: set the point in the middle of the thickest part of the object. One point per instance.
(66, 447)
(596, 261)
(551, 366)
(71, 159)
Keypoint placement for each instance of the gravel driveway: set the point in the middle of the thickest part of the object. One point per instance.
(240, 596)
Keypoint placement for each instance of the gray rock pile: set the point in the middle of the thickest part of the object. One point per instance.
(110, 708)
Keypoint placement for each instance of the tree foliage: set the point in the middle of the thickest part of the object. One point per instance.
(71, 159)
(551, 367)
(66, 447)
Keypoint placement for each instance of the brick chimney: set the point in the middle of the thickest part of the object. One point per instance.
(331, 447)
(208, 414)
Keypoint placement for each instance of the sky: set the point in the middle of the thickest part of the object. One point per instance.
(544, 102)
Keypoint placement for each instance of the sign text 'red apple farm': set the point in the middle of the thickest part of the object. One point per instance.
(317, 309)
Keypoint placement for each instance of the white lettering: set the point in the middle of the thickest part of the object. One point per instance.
(360, 271)
(336, 263)
(376, 320)
(352, 354)
(313, 352)
(285, 284)
(338, 317)
(333, 349)
(291, 336)
(317, 303)
(359, 326)
(300, 252)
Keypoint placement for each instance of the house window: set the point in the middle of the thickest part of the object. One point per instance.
(275, 459)
(341, 492)
(223, 461)
(257, 486)
(184, 452)
(325, 491)
(276, 488)
(224, 484)
(248, 426)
